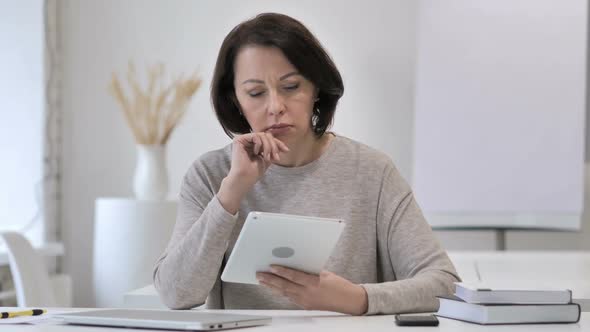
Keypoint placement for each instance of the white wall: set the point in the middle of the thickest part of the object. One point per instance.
(372, 42)
(21, 114)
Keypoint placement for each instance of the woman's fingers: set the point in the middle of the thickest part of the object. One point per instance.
(282, 145)
(298, 277)
(267, 148)
(258, 145)
(264, 145)
(275, 149)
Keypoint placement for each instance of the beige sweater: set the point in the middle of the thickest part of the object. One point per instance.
(386, 246)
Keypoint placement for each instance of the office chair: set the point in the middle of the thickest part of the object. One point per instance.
(33, 285)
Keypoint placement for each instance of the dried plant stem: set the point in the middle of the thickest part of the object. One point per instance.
(153, 114)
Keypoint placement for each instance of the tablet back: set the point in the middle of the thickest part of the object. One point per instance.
(298, 242)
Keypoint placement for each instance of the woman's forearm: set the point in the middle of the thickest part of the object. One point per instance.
(189, 268)
(232, 192)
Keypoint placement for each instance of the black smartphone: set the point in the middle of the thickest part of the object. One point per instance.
(416, 320)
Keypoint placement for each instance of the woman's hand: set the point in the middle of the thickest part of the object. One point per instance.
(252, 154)
(326, 291)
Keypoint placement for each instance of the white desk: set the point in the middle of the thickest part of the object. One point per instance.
(543, 269)
(565, 269)
(287, 321)
(146, 297)
(559, 268)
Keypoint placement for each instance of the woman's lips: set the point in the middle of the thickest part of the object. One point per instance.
(279, 130)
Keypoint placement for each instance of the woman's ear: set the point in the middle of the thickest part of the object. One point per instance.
(316, 95)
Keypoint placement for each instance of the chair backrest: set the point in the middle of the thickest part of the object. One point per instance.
(29, 273)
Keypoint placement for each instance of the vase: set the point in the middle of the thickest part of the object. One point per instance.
(150, 181)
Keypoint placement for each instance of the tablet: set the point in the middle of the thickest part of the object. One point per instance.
(298, 242)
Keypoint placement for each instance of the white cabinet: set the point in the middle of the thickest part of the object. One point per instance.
(129, 236)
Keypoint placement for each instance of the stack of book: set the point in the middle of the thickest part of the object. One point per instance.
(476, 304)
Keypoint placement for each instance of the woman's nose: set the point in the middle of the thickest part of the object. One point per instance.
(276, 103)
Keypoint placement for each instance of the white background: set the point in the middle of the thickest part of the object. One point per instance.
(372, 45)
(372, 42)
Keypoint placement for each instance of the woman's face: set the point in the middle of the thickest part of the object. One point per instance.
(271, 92)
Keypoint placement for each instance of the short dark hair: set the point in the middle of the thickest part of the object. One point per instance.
(300, 47)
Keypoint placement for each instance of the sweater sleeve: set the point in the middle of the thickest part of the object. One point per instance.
(419, 268)
(189, 268)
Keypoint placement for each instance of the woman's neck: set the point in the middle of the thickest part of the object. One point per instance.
(307, 150)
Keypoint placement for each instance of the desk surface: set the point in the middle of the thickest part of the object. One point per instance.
(310, 321)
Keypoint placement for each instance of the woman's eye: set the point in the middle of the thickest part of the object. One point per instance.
(255, 94)
(291, 87)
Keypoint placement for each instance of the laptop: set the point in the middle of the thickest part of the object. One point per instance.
(163, 319)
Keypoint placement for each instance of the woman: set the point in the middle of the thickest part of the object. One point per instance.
(275, 91)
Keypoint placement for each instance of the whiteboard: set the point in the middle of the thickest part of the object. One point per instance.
(500, 113)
